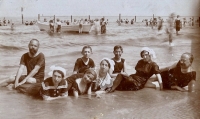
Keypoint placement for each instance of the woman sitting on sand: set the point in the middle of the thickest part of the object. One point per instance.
(79, 84)
(104, 82)
(180, 76)
(145, 68)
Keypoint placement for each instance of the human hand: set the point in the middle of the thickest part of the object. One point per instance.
(108, 90)
(16, 85)
(124, 73)
(130, 78)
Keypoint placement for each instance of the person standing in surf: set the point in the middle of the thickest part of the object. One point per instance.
(51, 26)
(170, 28)
(80, 26)
(103, 28)
(178, 24)
(160, 24)
(34, 62)
(59, 26)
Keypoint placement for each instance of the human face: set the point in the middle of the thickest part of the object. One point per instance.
(33, 47)
(104, 66)
(185, 61)
(57, 77)
(118, 52)
(88, 77)
(86, 53)
(146, 57)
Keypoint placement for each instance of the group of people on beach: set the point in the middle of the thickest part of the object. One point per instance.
(112, 74)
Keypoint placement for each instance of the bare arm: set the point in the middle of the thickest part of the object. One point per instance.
(111, 73)
(191, 86)
(31, 74)
(19, 73)
(159, 81)
(178, 88)
(74, 72)
(53, 98)
(125, 69)
(47, 97)
(168, 68)
(89, 91)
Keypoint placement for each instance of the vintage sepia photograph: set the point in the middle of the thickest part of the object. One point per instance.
(99, 59)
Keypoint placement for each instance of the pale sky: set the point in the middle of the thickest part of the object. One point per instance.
(99, 7)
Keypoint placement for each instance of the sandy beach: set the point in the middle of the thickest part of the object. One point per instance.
(65, 48)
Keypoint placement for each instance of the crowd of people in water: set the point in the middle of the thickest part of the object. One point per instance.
(5, 22)
(87, 79)
(10, 23)
(30, 23)
(100, 24)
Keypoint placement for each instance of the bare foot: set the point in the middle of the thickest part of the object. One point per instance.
(10, 86)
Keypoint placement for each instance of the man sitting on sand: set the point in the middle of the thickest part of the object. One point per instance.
(34, 62)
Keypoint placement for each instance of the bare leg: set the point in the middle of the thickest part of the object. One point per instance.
(176, 32)
(149, 84)
(6, 82)
(31, 80)
(170, 38)
(81, 30)
(116, 82)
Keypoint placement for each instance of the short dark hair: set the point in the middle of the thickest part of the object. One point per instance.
(35, 40)
(87, 46)
(190, 55)
(118, 47)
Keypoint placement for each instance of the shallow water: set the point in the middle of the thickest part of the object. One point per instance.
(63, 49)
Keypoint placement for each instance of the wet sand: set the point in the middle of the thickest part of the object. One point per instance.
(143, 104)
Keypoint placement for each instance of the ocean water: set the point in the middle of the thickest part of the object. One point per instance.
(63, 49)
(18, 20)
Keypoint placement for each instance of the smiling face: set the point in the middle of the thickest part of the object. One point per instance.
(185, 61)
(57, 77)
(104, 66)
(33, 47)
(86, 52)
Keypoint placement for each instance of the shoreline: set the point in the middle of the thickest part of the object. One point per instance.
(64, 49)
